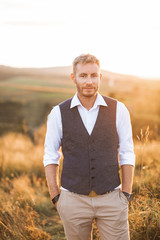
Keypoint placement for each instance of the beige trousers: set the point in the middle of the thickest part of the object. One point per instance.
(78, 211)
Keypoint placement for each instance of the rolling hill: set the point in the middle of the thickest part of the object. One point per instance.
(6, 72)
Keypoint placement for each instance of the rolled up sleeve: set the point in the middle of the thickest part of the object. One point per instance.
(53, 138)
(124, 129)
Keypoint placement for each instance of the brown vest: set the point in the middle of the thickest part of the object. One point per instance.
(90, 161)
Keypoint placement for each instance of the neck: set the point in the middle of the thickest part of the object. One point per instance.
(87, 102)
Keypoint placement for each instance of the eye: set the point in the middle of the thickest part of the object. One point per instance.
(94, 75)
(83, 75)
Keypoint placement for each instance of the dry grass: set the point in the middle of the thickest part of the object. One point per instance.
(25, 208)
(144, 210)
(37, 88)
(21, 175)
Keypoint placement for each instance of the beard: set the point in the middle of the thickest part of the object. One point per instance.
(87, 91)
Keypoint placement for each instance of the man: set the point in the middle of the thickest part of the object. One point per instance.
(92, 130)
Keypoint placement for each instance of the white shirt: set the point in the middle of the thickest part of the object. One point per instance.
(54, 130)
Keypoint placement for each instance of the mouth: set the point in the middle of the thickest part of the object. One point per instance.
(88, 88)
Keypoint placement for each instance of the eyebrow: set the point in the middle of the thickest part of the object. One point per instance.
(82, 74)
(95, 73)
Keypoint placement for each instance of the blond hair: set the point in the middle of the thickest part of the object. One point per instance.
(84, 59)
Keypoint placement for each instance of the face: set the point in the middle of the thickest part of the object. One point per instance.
(87, 79)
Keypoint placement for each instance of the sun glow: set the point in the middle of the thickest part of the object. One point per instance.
(52, 33)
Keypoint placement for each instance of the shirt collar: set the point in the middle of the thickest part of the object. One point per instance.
(98, 102)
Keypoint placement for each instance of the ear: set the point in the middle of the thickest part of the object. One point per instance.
(100, 76)
(73, 77)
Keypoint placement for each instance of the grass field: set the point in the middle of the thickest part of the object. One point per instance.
(142, 98)
(25, 208)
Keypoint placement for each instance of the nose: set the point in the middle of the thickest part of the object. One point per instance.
(89, 80)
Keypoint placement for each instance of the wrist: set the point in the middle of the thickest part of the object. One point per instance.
(55, 199)
(54, 192)
(129, 196)
(126, 189)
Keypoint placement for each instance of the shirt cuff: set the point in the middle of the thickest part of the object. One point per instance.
(47, 162)
(130, 160)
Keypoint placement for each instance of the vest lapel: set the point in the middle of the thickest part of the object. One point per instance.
(80, 122)
(99, 120)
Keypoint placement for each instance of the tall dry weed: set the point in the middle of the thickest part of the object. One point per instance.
(144, 210)
(18, 218)
(25, 208)
(22, 189)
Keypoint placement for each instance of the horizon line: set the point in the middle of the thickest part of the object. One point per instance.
(63, 66)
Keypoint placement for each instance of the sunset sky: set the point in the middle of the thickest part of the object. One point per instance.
(123, 34)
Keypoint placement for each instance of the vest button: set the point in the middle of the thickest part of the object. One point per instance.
(93, 177)
(92, 168)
